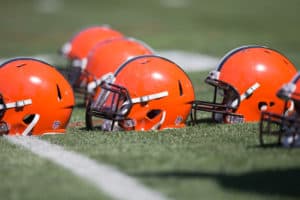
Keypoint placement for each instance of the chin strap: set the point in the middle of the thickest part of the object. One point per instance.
(31, 125)
(246, 94)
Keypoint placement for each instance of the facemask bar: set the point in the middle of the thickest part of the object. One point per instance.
(110, 102)
(230, 102)
(3, 125)
(74, 73)
(2, 106)
(276, 125)
(17, 105)
(161, 121)
(284, 125)
(286, 91)
(76, 68)
(109, 77)
(31, 125)
(114, 102)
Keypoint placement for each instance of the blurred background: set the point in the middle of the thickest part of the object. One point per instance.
(210, 27)
(214, 162)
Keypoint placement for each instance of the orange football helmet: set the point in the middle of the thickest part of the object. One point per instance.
(35, 98)
(246, 82)
(147, 92)
(107, 56)
(78, 47)
(285, 126)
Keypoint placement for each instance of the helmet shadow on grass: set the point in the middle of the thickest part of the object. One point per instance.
(282, 182)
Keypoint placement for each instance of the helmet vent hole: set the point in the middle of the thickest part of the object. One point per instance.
(153, 113)
(285, 61)
(21, 65)
(28, 118)
(180, 88)
(145, 61)
(272, 103)
(58, 92)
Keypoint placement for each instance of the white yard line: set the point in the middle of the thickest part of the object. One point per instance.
(175, 3)
(48, 6)
(106, 178)
(190, 61)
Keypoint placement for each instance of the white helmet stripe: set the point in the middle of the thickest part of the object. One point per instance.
(150, 97)
(16, 104)
(246, 94)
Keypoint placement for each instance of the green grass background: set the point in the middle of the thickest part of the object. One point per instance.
(207, 26)
(206, 161)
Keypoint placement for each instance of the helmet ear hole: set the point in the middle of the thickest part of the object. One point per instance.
(28, 118)
(58, 92)
(180, 88)
(153, 113)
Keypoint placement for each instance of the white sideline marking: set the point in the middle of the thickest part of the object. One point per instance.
(48, 6)
(190, 61)
(186, 60)
(104, 177)
(174, 3)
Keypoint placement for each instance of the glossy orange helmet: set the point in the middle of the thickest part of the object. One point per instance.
(107, 56)
(245, 83)
(78, 47)
(147, 92)
(285, 125)
(35, 98)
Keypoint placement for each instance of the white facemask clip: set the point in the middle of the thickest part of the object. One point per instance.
(109, 77)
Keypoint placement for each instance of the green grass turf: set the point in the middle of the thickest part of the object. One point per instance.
(26, 176)
(206, 161)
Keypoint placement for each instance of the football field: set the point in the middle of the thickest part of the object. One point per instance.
(205, 161)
